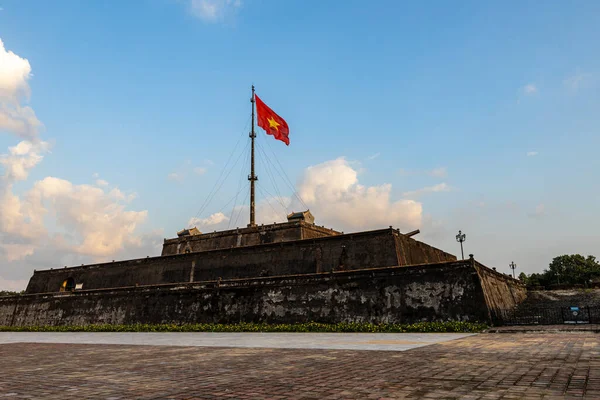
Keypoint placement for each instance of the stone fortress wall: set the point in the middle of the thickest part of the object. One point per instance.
(241, 237)
(450, 290)
(371, 249)
(281, 273)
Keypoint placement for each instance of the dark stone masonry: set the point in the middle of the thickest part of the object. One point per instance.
(297, 273)
(373, 249)
(429, 292)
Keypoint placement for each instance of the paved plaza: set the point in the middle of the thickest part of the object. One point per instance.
(485, 366)
(333, 341)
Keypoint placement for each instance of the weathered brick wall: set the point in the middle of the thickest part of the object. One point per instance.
(502, 292)
(359, 250)
(563, 298)
(314, 232)
(250, 236)
(411, 251)
(436, 292)
(144, 271)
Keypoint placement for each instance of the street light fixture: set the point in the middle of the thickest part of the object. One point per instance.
(461, 237)
(513, 266)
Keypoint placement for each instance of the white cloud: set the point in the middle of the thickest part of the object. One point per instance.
(440, 187)
(14, 74)
(18, 218)
(15, 285)
(334, 195)
(16, 118)
(268, 210)
(440, 172)
(532, 153)
(180, 173)
(55, 251)
(55, 221)
(577, 81)
(117, 194)
(22, 158)
(97, 220)
(530, 89)
(16, 251)
(199, 170)
(208, 223)
(213, 10)
(148, 243)
(21, 121)
(174, 176)
(373, 156)
(539, 211)
(19, 221)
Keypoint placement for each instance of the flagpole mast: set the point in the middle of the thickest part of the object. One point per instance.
(252, 177)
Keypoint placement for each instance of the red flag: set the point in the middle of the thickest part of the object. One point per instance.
(272, 123)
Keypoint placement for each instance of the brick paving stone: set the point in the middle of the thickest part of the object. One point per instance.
(546, 328)
(488, 366)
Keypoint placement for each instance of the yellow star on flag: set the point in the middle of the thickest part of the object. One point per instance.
(273, 123)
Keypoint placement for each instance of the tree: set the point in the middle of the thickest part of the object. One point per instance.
(534, 280)
(523, 277)
(573, 269)
(9, 293)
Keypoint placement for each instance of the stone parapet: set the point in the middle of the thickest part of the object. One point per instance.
(454, 290)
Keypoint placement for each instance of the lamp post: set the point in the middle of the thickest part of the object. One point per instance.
(461, 237)
(513, 266)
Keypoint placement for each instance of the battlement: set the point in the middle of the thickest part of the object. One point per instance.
(437, 291)
(295, 229)
(340, 252)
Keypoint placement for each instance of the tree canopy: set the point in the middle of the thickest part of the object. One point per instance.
(573, 269)
(10, 293)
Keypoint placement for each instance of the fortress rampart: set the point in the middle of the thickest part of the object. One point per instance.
(454, 290)
(371, 249)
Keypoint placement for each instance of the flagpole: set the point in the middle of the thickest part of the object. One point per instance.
(252, 177)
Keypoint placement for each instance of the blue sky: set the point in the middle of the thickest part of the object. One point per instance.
(480, 116)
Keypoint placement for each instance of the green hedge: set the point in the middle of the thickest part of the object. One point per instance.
(452, 326)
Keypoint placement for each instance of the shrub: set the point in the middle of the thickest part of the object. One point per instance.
(449, 326)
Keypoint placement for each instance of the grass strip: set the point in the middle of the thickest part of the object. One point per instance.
(422, 327)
